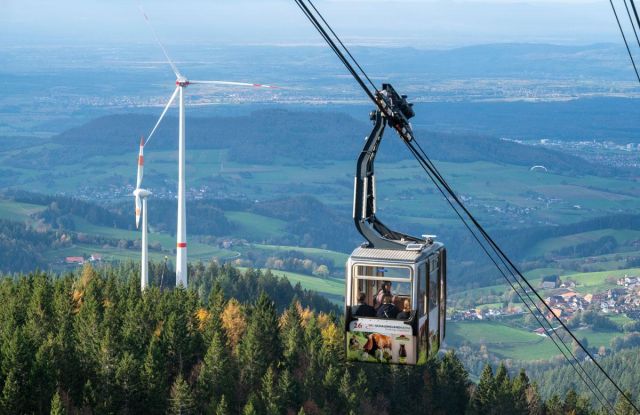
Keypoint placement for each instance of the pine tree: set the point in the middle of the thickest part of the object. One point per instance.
(554, 406)
(154, 377)
(535, 406)
(215, 378)
(485, 394)
(504, 402)
(128, 385)
(261, 344)
(249, 408)
(623, 407)
(17, 359)
(223, 407)
(520, 386)
(292, 336)
(288, 390)
(57, 408)
(182, 401)
(269, 393)
(348, 395)
(216, 306)
(570, 402)
(453, 384)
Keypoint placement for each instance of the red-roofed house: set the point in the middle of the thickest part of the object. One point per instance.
(74, 260)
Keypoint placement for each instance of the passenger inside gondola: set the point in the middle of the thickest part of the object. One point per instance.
(387, 309)
(406, 310)
(363, 309)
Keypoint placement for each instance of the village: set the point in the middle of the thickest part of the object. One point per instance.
(566, 301)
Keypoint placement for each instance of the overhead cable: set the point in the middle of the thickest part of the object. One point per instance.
(441, 184)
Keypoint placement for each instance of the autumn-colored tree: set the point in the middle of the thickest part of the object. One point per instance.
(234, 322)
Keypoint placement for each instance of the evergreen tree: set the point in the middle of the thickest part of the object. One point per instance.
(269, 393)
(215, 378)
(453, 384)
(519, 392)
(485, 394)
(128, 384)
(554, 406)
(292, 336)
(154, 377)
(504, 402)
(261, 344)
(535, 406)
(16, 362)
(570, 402)
(223, 407)
(57, 408)
(623, 407)
(182, 401)
(288, 390)
(249, 408)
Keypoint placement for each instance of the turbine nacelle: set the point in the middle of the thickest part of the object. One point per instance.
(140, 194)
(182, 82)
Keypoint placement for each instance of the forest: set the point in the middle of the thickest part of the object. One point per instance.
(233, 343)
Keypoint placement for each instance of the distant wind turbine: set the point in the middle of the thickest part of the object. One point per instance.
(181, 83)
(141, 210)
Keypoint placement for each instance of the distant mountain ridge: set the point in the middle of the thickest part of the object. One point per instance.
(302, 137)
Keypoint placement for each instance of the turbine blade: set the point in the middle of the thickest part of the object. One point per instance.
(155, 35)
(140, 163)
(155, 127)
(234, 84)
(138, 210)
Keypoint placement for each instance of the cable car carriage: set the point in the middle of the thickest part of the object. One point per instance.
(395, 302)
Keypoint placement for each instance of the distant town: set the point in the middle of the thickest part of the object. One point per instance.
(565, 301)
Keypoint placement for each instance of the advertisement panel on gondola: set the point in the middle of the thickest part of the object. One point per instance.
(380, 341)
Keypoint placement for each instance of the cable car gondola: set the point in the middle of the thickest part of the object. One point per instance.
(395, 302)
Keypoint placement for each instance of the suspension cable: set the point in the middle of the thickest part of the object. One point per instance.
(626, 44)
(342, 44)
(635, 12)
(541, 319)
(633, 25)
(441, 184)
(333, 46)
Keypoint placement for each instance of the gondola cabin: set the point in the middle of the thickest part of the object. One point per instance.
(395, 303)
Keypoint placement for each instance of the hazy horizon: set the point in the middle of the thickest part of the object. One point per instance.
(422, 24)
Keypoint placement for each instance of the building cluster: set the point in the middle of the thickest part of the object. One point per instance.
(485, 313)
(80, 260)
(565, 301)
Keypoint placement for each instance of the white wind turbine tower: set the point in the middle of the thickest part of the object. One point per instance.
(141, 208)
(181, 83)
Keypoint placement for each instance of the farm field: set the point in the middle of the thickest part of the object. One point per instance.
(332, 288)
(339, 259)
(509, 342)
(254, 225)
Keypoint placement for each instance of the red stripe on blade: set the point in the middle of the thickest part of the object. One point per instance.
(182, 245)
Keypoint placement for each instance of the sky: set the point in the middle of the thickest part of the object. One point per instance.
(417, 23)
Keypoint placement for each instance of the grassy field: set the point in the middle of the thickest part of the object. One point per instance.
(509, 342)
(339, 259)
(622, 236)
(592, 282)
(332, 288)
(18, 212)
(251, 225)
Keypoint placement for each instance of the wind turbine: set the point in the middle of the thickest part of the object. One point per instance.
(181, 83)
(141, 208)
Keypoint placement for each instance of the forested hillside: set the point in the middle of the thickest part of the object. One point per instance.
(308, 138)
(92, 343)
